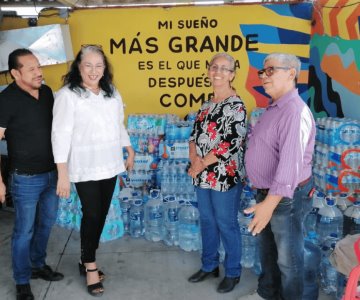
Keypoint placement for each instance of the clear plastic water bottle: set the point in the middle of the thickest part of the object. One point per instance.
(145, 193)
(312, 259)
(342, 202)
(173, 172)
(189, 228)
(191, 116)
(247, 198)
(170, 131)
(257, 269)
(191, 198)
(154, 219)
(136, 218)
(341, 285)
(71, 210)
(184, 179)
(78, 217)
(125, 205)
(311, 218)
(330, 220)
(352, 158)
(165, 179)
(178, 179)
(352, 219)
(172, 209)
(328, 274)
(62, 214)
(248, 242)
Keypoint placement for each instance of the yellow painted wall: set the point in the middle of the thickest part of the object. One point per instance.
(145, 69)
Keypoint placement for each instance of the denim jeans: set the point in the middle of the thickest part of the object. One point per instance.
(36, 205)
(218, 219)
(281, 246)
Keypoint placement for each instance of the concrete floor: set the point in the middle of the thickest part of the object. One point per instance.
(135, 270)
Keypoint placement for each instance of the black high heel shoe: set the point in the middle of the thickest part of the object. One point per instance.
(95, 289)
(82, 271)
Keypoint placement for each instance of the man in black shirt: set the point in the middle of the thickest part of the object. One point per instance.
(26, 118)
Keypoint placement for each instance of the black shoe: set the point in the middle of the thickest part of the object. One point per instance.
(46, 273)
(82, 271)
(96, 289)
(201, 275)
(23, 292)
(228, 284)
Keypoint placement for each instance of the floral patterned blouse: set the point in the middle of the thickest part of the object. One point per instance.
(221, 128)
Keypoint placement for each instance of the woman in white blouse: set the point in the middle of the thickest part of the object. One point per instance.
(88, 134)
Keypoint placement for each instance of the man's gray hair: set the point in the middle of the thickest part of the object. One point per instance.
(286, 60)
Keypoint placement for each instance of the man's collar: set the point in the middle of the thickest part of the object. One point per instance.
(16, 86)
(284, 99)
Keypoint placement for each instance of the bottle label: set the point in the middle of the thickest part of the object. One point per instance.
(172, 215)
(325, 220)
(135, 216)
(190, 228)
(154, 215)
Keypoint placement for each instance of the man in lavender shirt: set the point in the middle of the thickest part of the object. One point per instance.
(278, 164)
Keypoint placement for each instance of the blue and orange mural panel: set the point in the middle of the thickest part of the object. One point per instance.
(334, 71)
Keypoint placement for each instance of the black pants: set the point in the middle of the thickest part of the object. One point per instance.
(95, 197)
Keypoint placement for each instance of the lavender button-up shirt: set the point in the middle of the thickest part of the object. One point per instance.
(281, 146)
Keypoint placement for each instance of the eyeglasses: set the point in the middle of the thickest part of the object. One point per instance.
(216, 68)
(91, 45)
(90, 67)
(269, 71)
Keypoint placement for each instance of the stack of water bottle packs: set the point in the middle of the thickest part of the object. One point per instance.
(158, 200)
(69, 215)
(170, 219)
(337, 155)
(155, 139)
(331, 218)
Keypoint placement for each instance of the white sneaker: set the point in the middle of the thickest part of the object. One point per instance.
(253, 296)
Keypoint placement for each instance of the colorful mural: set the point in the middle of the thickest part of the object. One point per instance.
(334, 66)
(280, 37)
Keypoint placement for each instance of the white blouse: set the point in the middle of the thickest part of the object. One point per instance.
(88, 134)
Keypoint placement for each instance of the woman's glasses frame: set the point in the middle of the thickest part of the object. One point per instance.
(216, 68)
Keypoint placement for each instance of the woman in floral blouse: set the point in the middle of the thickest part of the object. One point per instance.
(216, 156)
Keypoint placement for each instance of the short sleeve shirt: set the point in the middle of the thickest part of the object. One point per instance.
(220, 128)
(27, 121)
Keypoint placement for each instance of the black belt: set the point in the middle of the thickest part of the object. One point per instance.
(25, 173)
(301, 184)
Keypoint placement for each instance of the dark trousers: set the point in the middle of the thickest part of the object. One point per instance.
(95, 198)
